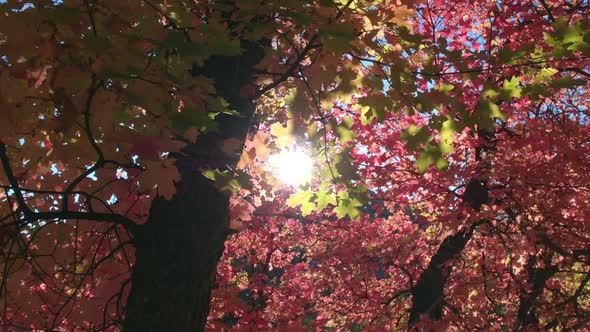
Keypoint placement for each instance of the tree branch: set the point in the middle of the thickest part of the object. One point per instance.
(295, 65)
(548, 10)
(31, 216)
(289, 72)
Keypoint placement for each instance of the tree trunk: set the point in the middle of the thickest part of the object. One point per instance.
(527, 317)
(177, 250)
(428, 292)
(176, 256)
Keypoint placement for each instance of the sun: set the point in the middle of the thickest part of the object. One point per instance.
(291, 167)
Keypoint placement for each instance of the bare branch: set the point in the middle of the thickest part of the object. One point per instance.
(30, 216)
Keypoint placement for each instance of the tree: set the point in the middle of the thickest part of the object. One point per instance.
(450, 186)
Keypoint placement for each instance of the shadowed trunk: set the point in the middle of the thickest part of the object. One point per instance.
(428, 292)
(177, 250)
(176, 256)
(538, 276)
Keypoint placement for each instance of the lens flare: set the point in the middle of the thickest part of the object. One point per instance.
(291, 167)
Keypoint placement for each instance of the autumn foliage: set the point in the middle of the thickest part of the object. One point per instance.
(450, 142)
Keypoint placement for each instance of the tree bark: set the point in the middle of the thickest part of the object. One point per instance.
(177, 250)
(537, 279)
(176, 256)
(428, 292)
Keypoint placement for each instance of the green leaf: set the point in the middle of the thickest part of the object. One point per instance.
(220, 105)
(313, 132)
(446, 135)
(192, 117)
(425, 159)
(487, 113)
(219, 41)
(278, 130)
(495, 112)
(431, 154)
(337, 37)
(416, 136)
(224, 180)
(323, 199)
(545, 75)
(307, 208)
(446, 88)
(303, 198)
(347, 206)
(567, 82)
(179, 15)
(344, 165)
(410, 39)
(373, 108)
(567, 38)
(345, 134)
(441, 163)
(511, 88)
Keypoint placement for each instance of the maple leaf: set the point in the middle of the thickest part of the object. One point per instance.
(511, 88)
(302, 198)
(162, 175)
(107, 105)
(323, 199)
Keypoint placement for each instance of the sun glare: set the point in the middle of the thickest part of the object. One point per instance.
(291, 167)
